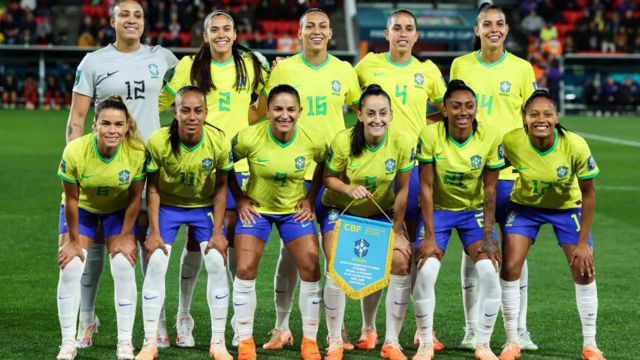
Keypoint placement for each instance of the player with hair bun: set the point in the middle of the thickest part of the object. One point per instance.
(103, 176)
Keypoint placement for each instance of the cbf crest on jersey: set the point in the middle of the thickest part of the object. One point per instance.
(207, 164)
(562, 171)
(336, 87)
(476, 162)
(154, 71)
(123, 176)
(505, 87)
(299, 163)
(361, 248)
(419, 79)
(390, 165)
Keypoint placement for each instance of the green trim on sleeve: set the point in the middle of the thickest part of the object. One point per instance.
(422, 160)
(67, 179)
(170, 90)
(357, 102)
(439, 99)
(227, 169)
(152, 171)
(326, 166)
(407, 168)
(139, 178)
(587, 177)
(495, 166)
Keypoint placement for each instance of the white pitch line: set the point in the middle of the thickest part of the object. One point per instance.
(617, 188)
(608, 139)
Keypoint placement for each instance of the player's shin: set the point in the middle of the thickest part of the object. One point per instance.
(587, 301)
(153, 292)
(510, 308)
(334, 305)
(469, 280)
(217, 292)
(190, 264)
(489, 300)
(285, 281)
(93, 268)
(398, 293)
(124, 278)
(424, 299)
(244, 306)
(69, 297)
(310, 308)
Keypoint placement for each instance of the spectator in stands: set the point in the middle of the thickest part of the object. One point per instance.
(269, 42)
(629, 94)
(532, 23)
(9, 92)
(28, 22)
(553, 77)
(610, 91)
(30, 92)
(592, 95)
(44, 32)
(569, 45)
(88, 26)
(159, 15)
(174, 32)
(52, 93)
(10, 29)
(548, 10)
(621, 40)
(548, 31)
(196, 29)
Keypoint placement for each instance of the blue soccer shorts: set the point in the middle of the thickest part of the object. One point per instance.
(199, 219)
(288, 228)
(88, 222)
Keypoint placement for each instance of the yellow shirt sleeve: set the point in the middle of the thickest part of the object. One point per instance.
(496, 154)
(181, 78)
(426, 145)
(438, 88)
(68, 168)
(586, 167)
(337, 155)
(225, 160)
(353, 94)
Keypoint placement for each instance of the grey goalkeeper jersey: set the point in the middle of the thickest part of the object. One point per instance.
(136, 76)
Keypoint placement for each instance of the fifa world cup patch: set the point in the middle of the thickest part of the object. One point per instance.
(591, 163)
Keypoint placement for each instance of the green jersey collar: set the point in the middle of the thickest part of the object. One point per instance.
(479, 58)
(460, 144)
(550, 150)
(384, 141)
(295, 134)
(190, 149)
(313, 67)
(95, 147)
(221, 64)
(388, 57)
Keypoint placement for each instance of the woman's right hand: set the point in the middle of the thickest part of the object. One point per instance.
(246, 210)
(67, 252)
(359, 192)
(428, 248)
(152, 243)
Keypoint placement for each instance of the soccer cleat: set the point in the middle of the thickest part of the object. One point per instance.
(524, 338)
(279, 339)
(162, 339)
(184, 327)
(247, 349)
(124, 351)
(335, 351)
(309, 349)
(592, 353)
(85, 333)
(392, 351)
(483, 352)
(68, 350)
(437, 345)
(218, 351)
(149, 351)
(468, 341)
(368, 339)
(425, 352)
(510, 351)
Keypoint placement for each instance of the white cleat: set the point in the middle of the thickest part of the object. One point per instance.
(184, 326)
(162, 339)
(524, 338)
(124, 351)
(469, 341)
(68, 350)
(84, 339)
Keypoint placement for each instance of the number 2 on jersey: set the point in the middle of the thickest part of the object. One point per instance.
(224, 102)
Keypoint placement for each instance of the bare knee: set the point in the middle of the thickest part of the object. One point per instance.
(511, 270)
(310, 269)
(400, 264)
(246, 271)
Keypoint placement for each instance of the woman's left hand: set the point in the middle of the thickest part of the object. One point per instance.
(125, 244)
(583, 258)
(402, 245)
(304, 211)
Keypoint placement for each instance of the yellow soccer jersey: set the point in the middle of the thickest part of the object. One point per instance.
(375, 169)
(409, 85)
(276, 170)
(501, 88)
(188, 181)
(323, 90)
(227, 107)
(458, 183)
(104, 184)
(549, 179)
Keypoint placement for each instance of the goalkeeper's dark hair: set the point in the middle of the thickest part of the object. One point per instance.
(358, 141)
(455, 86)
(201, 68)
(481, 10)
(544, 94)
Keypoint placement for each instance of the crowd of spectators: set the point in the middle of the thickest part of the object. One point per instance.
(612, 96)
(25, 23)
(23, 91)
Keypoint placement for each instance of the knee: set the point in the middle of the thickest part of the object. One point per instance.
(214, 262)
(246, 271)
(121, 268)
(400, 264)
(310, 270)
(511, 270)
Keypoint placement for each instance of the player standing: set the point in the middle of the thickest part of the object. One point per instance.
(555, 186)
(230, 75)
(411, 83)
(279, 153)
(503, 82)
(103, 176)
(459, 168)
(325, 84)
(135, 72)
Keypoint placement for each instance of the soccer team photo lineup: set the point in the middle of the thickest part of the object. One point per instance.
(231, 160)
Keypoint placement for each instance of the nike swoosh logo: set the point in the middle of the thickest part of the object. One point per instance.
(150, 297)
(304, 225)
(221, 297)
(490, 315)
(124, 304)
(102, 78)
(281, 291)
(262, 160)
(86, 176)
(378, 73)
(523, 287)
(397, 303)
(297, 86)
(236, 304)
(64, 297)
(467, 287)
(353, 166)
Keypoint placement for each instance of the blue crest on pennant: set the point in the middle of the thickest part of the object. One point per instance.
(505, 86)
(390, 165)
(591, 163)
(476, 161)
(63, 165)
(500, 152)
(361, 248)
(207, 164)
(299, 162)
(419, 79)
(562, 171)
(335, 86)
(123, 176)
(153, 69)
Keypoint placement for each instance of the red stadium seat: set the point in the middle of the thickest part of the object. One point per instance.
(572, 16)
(563, 29)
(185, 38)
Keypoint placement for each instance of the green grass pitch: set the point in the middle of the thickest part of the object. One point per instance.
(31, 144)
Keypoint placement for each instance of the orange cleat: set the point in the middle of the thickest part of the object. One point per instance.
(437, 345)
(247, 349)
(149, 351)
(218, 351)
(510, 351)
(483, 352)
(592, 353)
(392, 351)
(425, 352)
(334, 352)
(279, 339)
(368, 340)
(309, 349)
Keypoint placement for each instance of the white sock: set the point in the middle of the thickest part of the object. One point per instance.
(398, 293)
(469, 280)
(310, 308)
(69, 297)
(125, 294)
(244, 306)
(369, 307)
(93, 268)
(587, 301)
(190, 264)
(334, 305)
(285, 281)
(153, 291)
(424, 299)
(217, 291)
(510, 308)
(489, 299)
(524, 290)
